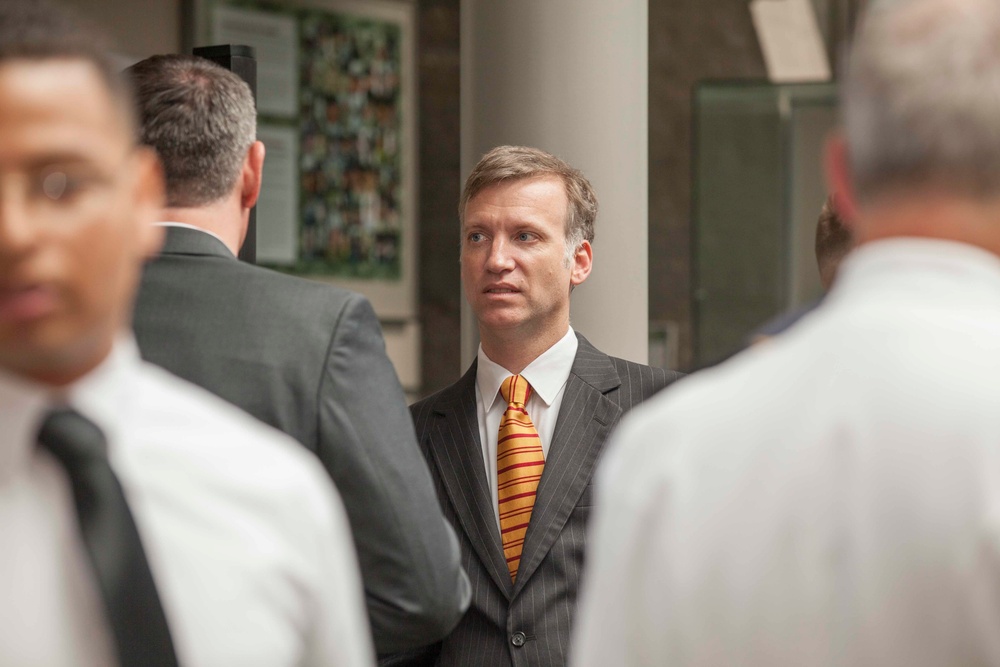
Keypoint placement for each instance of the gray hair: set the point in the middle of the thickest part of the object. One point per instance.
(201, 120)
(921, 100)
(510, 163)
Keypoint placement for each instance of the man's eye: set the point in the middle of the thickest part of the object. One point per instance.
(58, 186)
(475, 237)
(54, 185)
(525, 236)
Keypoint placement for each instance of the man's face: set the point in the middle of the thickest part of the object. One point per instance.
(514, 268)
(76, 207)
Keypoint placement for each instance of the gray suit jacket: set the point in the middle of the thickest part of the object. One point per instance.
(527, 623)
(309, 359)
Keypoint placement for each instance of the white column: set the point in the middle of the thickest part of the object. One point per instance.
(570, 77)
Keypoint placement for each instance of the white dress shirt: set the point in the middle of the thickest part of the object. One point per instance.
(547, 375)
(830, 498)
(245, 536)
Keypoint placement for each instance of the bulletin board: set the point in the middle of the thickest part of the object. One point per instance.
(336, 113)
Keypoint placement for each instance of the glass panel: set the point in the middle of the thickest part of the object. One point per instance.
(758, 189)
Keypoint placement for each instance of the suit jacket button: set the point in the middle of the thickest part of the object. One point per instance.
(517, 639)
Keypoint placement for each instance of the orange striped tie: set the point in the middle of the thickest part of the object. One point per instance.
(519, 467)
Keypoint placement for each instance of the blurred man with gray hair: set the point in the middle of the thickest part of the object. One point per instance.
(834, 498)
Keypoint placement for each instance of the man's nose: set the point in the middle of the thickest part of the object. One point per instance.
(17, 229)
(499, 258)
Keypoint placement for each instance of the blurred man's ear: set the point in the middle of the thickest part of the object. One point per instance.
(840, 179)
(149, 197)
(252, 175)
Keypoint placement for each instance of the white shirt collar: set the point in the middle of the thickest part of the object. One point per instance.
(167, 223)
(22, 407)
(105, 394)
(100, 395)
(895, 259)
(546, 374)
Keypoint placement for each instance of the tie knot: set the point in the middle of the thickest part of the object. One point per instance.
(516, 390)
(72, 438)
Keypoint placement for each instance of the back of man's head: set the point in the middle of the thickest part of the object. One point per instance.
(921, 99)
(201, 120)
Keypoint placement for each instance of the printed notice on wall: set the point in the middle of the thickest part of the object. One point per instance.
(790, 40)
(275, 39)
(278, 206)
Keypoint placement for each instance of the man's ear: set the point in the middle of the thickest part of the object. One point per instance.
(149, 198)
(252, 175)
(840, 180)
(583, 261)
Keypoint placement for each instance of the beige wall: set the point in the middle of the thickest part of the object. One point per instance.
(140, 28)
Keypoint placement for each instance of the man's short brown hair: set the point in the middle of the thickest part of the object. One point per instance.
(44, 30)
(833, 242)
(513, 163)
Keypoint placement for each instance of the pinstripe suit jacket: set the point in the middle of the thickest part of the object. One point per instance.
(527, 623)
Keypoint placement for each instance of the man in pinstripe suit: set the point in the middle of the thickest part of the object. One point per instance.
(527, 226)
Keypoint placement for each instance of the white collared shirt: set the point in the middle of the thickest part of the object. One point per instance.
(547, 375)
(245, 536)
(830, 498)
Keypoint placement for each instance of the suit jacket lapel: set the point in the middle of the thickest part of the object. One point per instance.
(458, 455)
(585, 421)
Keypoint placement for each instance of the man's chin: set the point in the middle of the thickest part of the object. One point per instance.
(503, 318)
(50, 361)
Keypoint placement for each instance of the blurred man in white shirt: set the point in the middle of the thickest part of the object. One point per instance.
(834, 498)
(130, 535)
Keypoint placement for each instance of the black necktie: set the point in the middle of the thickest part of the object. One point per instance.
(132, 604)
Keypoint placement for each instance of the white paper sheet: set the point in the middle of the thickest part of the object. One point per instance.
(789, 36)
(275, 39)
(278, 206)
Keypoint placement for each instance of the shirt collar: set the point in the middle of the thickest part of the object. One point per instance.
(104, 394)
(22, 408)
(896, 259)
(184, 225)
(546, 374)
(100, 396)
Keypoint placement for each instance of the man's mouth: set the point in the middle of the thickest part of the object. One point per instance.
(25, 302)
(501, 288)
